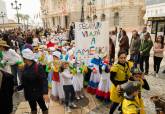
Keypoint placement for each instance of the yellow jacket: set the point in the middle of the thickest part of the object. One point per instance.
(135, 106)
(122, 74)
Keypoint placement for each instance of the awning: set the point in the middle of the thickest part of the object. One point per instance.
(160, 16)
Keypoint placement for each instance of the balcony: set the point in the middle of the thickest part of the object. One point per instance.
(152, 2)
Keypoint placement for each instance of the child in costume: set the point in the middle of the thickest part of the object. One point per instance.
(57, 90)
(67, 86)
(95, 75)
(132, 103)
(102, 92)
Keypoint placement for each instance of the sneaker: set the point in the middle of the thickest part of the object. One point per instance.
(146, 73)
(78, 98)
(82, 96)
(73, 105)
(67, 109)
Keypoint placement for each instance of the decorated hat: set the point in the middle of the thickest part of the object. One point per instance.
(131, 87)
(57, 54)
(136, 70)
(28, 54)
(3, 43)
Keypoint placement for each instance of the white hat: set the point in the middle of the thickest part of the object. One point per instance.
(70, 52)
(28, 54)
(57, 54)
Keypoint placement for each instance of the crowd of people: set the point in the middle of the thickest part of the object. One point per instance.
(47, 67)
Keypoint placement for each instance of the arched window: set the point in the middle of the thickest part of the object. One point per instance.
(116, 19)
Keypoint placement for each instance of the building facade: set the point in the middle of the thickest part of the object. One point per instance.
(155, 16)
(119, 13)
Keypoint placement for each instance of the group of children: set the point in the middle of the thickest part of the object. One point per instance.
(66, 74)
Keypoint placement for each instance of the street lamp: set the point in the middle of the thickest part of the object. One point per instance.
(3, 15)
(92, 10)
(82, 11)
(16, 6)
(45, 12)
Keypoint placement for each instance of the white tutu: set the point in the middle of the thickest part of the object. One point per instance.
(57, 89)
(104, 84)
(76, 83)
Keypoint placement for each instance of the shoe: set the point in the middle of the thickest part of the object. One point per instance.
(34, 112)
(73, 105)
(67, 109)
(78, 98)
(146, 73)
(45, 112)
(82, 96)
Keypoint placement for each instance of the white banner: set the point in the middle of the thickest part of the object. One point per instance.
(91, 38)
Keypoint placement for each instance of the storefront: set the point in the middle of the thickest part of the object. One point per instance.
(157, 25)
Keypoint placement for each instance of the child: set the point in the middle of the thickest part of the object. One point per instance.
(68, 86)
(131, 103)
(102, 92)
(57, 91)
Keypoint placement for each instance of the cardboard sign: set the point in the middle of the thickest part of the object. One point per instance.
(91, 38)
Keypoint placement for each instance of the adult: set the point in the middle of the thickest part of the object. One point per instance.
(145, 48)
(119, 74)
(119, 34)
(143, 32)
(37, 90)
(71, 32)
(158, 53)
(124, 42)
(111, 51)
(134, 47)
(6, 84)
(29, 42)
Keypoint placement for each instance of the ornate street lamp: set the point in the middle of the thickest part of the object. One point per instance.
(82, 11)
(45, 12)
(16, 6)
(3, 15)
(92, 11)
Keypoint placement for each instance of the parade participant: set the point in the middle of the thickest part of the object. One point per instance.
(145, 48)
(102, 91)
(143, 32)
(124, 42)
(68, 86)
(134, 47)
(131, 103)
(37, 90)
(9, 60)
(95, 75)
(119, 74)
(57, 83)
(158, 53)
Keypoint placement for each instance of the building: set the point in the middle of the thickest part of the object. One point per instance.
(3, 9)
(155, 16)
(121, 13)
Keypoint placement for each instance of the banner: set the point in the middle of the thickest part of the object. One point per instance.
(91, 38)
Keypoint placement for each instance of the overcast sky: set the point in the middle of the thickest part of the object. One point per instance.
(30, 7)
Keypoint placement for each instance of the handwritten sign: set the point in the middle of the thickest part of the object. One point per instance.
(91, 38)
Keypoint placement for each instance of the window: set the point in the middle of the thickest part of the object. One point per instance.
(116, 19)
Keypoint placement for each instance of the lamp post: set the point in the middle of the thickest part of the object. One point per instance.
(92, 10)
(3, 15)
(45, 12)
(82, 11)
(16, 6)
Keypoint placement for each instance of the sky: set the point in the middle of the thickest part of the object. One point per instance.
(30, 7)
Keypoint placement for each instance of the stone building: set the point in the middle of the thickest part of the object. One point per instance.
(121, 13)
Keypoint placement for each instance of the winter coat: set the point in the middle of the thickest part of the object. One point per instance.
(6, 93)
(34, 82)
(124, 43)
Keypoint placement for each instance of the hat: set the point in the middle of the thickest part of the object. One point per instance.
(3, 43)
(57, 54)
(131, 87)
(136, 70)
(28, 54)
